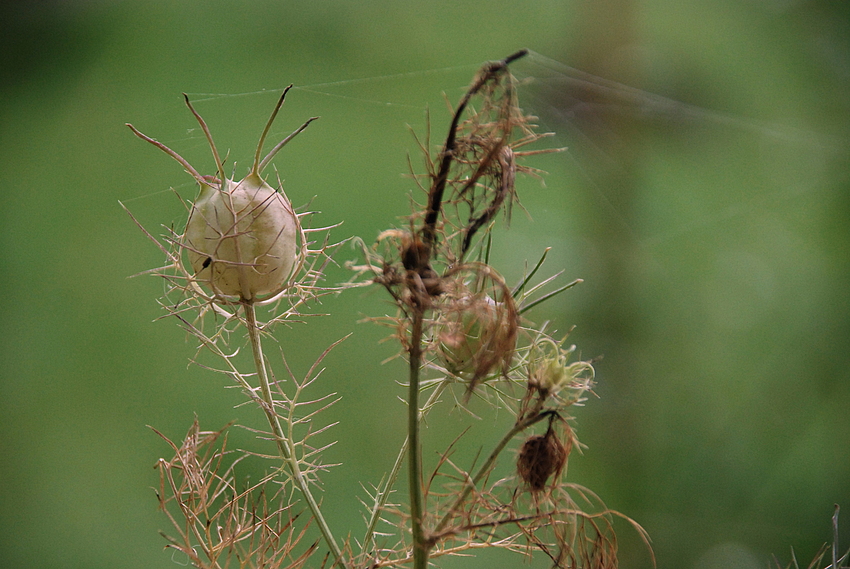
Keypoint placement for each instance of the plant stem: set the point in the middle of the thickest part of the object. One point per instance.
(284, 443)
(420, 547)
(383, 493)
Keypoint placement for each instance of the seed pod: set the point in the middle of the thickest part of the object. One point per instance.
(242, 237)
(540, 457)
(549, 373)
(478, 336)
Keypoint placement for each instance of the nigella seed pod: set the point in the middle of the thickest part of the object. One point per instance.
(243, 239)
(477, 333)
(549, 372)
(469, 335)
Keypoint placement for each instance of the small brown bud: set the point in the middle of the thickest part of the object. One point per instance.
(540, 457)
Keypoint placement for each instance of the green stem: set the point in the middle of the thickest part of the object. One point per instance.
(284, 443)
(518, 427)
(420, 547)
(383, 494)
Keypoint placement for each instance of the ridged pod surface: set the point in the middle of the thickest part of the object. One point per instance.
(242, 238)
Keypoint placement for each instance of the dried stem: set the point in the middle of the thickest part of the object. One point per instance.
(418, 259)
(383, 493)
(472, 482)
(435, 197)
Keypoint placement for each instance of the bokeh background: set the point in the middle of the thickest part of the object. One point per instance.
(709, 223)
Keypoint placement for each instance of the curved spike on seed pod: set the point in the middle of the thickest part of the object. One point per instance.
(259, 165)
(202, 180)
(256, 167)
(218, 163)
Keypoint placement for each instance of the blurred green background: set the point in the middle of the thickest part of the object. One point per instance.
(712, 234)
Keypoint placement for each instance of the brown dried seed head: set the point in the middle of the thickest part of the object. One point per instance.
(540, 457)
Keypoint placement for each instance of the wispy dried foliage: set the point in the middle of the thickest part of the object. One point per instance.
(829, 556)
(217, 522)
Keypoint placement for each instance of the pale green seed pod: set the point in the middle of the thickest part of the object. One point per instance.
(242, 238)
(550, 374)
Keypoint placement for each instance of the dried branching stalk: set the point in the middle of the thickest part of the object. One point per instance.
(829, 556)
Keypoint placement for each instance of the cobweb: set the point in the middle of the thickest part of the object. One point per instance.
(673, 151)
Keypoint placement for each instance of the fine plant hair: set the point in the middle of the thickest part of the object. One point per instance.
(247, 262)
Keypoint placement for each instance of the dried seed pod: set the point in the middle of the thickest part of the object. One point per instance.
(467, 334)
(242, 239)
(540, 457)
(477, 335)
